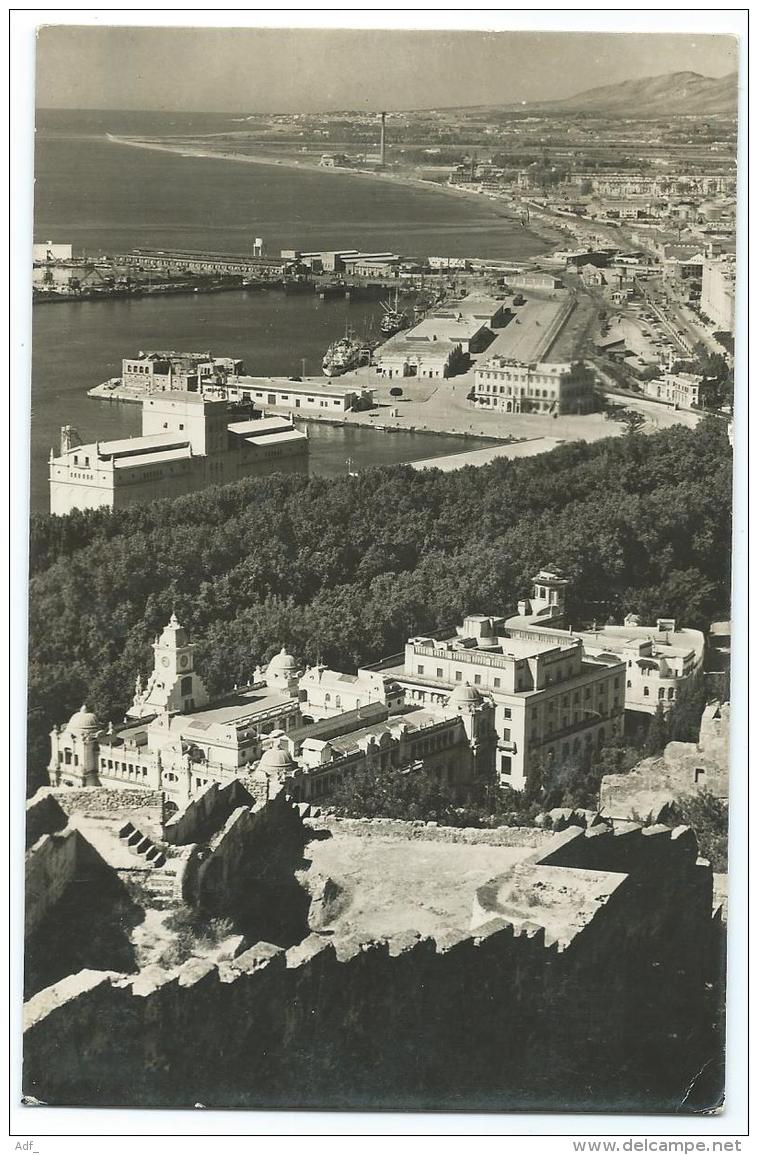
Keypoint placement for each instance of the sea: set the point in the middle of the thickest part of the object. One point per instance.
(106, 197)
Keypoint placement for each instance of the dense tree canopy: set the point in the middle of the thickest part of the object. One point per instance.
(344, 568)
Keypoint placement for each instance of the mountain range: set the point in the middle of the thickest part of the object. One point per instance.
(673, 94)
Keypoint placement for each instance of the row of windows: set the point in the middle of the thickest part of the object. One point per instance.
(661, 692)
(516, 391)
(511, 375)
(431, 745)
(124, 768)
(440, 673)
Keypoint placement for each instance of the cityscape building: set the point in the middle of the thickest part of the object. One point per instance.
(189, 441)
(679, 389)
(542, 387)
(185, 372)
(284, 727)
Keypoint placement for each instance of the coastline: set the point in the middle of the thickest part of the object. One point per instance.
(501, 208)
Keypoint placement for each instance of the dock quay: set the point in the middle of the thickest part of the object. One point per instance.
(477, 457)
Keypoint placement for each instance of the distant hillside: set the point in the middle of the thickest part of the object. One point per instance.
(675, 94)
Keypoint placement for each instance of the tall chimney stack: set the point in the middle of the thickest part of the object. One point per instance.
(381, 141)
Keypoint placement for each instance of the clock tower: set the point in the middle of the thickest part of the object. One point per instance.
(173, 687)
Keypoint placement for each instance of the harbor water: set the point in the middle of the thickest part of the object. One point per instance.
(108, 197)
(78, 344)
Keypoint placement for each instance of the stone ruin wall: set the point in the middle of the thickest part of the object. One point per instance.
(105, 798)
(44, 815)
(684, 768)
(51, 866)
(432, 831)
(206, 813)
(246, 871)
(487, 1021)
(53, 863)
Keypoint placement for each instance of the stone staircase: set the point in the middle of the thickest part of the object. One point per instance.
(140, 844)
(161, 885)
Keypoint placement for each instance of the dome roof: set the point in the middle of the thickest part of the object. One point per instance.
(83, 722)
(276, 760)
(464, 695)
(281, 663)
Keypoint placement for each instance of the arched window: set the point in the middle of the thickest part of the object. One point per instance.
(646, 691)
(327, 697)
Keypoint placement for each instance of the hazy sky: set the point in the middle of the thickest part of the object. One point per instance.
(251, 70)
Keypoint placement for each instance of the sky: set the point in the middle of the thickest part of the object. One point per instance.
(301, 70)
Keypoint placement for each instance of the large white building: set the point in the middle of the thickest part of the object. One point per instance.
(658, 660)
(541, 387)
(554, 702)
(679, 389)
(284, 725)
(189, 441)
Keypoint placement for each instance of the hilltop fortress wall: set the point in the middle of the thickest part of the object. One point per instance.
(491, 1019)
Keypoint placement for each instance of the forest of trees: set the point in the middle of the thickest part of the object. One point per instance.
(345, 568)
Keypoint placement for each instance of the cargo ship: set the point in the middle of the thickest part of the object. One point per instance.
(394, 318)
(345, 354)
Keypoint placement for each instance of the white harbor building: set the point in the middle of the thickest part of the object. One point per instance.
(188, 442)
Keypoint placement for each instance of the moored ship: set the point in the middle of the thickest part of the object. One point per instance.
(394, 318)
(347, 353)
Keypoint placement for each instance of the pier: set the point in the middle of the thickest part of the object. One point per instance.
(479, 457)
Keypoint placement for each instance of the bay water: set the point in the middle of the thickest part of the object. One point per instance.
(105, 197)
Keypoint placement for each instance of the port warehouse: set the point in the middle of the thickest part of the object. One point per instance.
(195, 261)
(290, 261)
(309, 395)
(345, 261)
(442, 343)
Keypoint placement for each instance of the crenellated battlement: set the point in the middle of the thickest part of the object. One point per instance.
(616, 949)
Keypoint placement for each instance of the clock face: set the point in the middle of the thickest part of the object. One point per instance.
(164, 660)
(184, 661)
